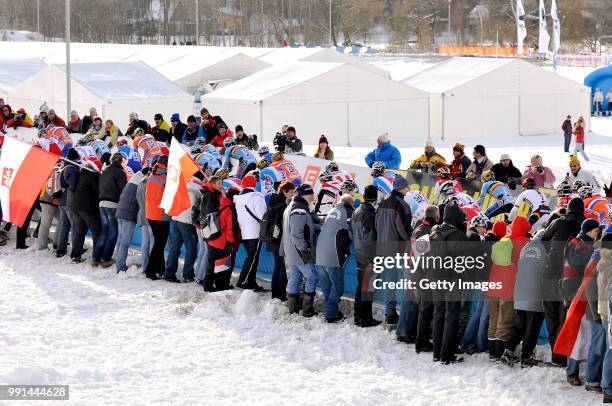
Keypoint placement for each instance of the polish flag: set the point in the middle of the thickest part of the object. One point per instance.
(222, 264)
(574, 338)
(24, 169)
(181, 167)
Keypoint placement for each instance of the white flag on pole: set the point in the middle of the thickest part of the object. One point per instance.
(556, 26)
(544, 38)
(521, 29)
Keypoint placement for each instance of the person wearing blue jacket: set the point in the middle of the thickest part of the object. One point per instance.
(385, 152)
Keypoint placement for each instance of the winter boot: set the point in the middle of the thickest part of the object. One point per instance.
(365, 316)
(508, 357)
(392, 317)
(209, 283)
(308, 310)
(292, 303)
(529, 362)
(493, 351)
(607, 398)
(499, 348)
(335, 319)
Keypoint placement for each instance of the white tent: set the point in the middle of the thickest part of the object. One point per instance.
(15, 71)
(115, 89)
(348, 104)
(190, 71)
(497, 97)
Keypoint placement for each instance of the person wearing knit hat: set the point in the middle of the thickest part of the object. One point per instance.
(135, 123)
(323, 150)
(480, 164)
(386, 153)
(589, 225)
(54, 119)
(460, 162)
(400, 184)
(304, 190)
(249, 181)
(430, 161)
(578, 173)
(506, 172)
(370, 194)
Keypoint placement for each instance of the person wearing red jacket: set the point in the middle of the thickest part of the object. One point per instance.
(21, 119)
(222, 250)
(460, 162)
(54, 119)
(224, 133)
(157, 219)
(501, 301)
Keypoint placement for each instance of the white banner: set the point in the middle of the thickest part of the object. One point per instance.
(310, 168)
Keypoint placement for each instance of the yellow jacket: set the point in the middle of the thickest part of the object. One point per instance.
(434, 158)
(165, 126)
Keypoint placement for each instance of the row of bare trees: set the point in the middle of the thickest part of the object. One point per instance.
(417, 25)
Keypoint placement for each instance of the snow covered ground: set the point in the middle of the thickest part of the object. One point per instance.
(122, 339)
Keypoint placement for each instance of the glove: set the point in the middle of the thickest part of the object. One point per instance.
(512, 184)
(305, 255)
(608, 190)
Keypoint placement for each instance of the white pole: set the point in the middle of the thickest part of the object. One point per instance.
(449, 25)
(197, 17)
(331, 38)
(68, 90)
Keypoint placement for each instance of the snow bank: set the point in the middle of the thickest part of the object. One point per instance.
(122, 339)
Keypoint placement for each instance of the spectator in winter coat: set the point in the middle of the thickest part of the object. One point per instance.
(74, 124)
(393, 226)
(208, 202)
(136, 123)
(501, 303)
(250, 208)
(578, 131)
(430, 161)
(324, 151)
(161, 130)
(157, 218)
(6, 114)
(112, 132)
(385, 153)
(112, 182)
(567, 128)
(292, 143)
(449, 239)
(577, 173)
(528, 311)
(543, 175)
(48, 211)
(299, 250)
(177, 128)
(363, 227)
(480, 164)
(224, 133)
(20, 119)
(208, 124)
(505, 171)
(597, 102)
(87, 120)
(85, 210)
(146, 233)
(191, 131)
(604, 306)
(460, 163)
(96, 131)
(333, 249)
(69, 180)
(54, 120)
(278, 204)
(249, 141)
(224, 246)
(127, 217)
(556, 235)
(184, 234)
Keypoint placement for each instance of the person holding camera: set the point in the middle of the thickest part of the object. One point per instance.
(287, 141)
(543, 175)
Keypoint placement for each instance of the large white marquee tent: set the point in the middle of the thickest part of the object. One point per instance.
(15, 71)
(347, 103)
(497, 97)
(115, 89)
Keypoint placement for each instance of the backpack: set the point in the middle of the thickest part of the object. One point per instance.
(501, 253)
(53, 186)
(268, 230)
(211, 226)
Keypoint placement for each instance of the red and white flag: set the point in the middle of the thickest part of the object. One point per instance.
(574, 338)
(181, 167)
(24, 169)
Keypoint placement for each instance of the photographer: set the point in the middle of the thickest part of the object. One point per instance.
(542, 174)
(21, 119)
(287, 142)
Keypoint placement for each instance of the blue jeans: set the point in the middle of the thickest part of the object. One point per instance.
(64, 229)
(183, 234)
(146, 237)
(579, 147)
(597, 350)
(105, 246)
(475, 336)
(409, 312)
(573, 367)
(606, 376)
(331, 282)
(126, 232)
(297, 273)
(391, 296)
(202, 258)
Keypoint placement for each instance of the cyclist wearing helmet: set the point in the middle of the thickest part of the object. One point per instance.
(331, 184)
(499, 191)
(207, 163)
(595, 205)
(264, 152)
(531, 204)
(278, 156)
(418, 204)
(453, 188)
(238, 158)
(564, 194)
(287, 167)
(444, 177)
(132, 157)
(262, 163)
(378, 169)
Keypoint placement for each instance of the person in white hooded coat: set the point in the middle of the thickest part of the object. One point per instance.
(250, 208)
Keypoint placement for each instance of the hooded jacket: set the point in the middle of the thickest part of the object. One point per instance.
(229, 233)
(127, 208)
(506, 275)
(334, 242)
(386, 153)
(363, 227)
(298, 232)
(393, 224)
(256, 203)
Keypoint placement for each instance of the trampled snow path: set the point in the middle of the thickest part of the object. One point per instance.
(122, 339)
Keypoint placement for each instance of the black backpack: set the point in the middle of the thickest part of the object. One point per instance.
(268, 229)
